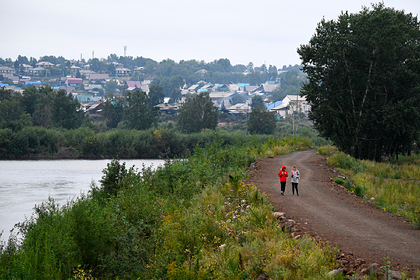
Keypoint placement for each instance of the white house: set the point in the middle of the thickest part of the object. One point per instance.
(286, 107)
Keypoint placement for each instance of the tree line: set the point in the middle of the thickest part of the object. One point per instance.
(46, 122)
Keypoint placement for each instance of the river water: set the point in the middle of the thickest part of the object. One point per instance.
(24, 184)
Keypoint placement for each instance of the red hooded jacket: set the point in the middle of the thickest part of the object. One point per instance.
(283, 174)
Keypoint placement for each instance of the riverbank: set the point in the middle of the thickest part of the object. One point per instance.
(191, 219)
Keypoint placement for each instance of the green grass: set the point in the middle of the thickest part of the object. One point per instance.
(395, 186)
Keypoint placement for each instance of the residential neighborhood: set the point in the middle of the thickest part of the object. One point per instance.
(91, 87)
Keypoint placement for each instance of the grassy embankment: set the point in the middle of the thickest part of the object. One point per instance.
(395, 187)
(192, 219)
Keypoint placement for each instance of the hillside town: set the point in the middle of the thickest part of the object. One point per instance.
(92, 87)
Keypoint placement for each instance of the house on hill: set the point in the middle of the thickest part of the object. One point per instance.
(240, 108)
(123, 72)
(287, 104)
(6, 70)
(45, 64)
(74, 81)
(133, 84)
(147, 81)
(100, 77)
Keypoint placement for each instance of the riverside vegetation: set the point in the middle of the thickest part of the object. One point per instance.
(191, 219)
(393, 187)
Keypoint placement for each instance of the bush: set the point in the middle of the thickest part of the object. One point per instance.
(338, 180)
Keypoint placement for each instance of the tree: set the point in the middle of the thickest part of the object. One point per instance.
(112, 111)
(364, 72)
(112, 87)
(257, 101)
(156, 95)
(261, 121)
(295, 109)
(66, 111)
(43, 106)
(197, 113)
(137, 114)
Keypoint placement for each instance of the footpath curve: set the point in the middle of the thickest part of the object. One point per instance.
(330, 213)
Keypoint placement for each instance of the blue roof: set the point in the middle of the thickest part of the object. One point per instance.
(32, 83)
(4, 85)
(243, 84)
(202, 90)
(272, 105)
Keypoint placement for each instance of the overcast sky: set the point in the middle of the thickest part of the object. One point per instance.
(258, 31)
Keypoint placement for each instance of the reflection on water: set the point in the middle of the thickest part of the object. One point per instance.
(24, 184)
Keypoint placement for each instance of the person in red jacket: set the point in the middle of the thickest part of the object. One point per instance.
(283, 177)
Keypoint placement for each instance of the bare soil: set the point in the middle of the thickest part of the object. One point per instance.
(363, 233)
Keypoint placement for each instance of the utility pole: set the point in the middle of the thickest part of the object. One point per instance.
(93, 54)
(125, 51)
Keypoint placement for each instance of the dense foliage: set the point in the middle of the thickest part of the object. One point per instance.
(86, 143)
(197, 113)
(137, 112)
(261, 121)
(41, 107)
(364, 73)
(191, 219)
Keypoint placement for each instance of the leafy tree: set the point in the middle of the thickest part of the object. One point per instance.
(137, 114)
(257, 101)
(112, 111)
(277, 95)
(197, 113)
(112, 87)
(29, 100)
(261, 121)
(156, 95)
(175, 95)
(66, 111)
(364, 73)
(97, 65)
(43, 106)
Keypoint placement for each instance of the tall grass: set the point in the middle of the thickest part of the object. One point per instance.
(395, 186)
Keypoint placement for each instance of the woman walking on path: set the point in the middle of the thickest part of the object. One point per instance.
(295, 176)
(283, 178)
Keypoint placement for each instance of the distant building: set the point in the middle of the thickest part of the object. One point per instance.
(133, 84)
(95, 76)
(74, 81)
(147, 81)
(6, 70)
(123, 72)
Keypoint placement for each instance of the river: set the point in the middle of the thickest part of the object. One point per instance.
(24, 184)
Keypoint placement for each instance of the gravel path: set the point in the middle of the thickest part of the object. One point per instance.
(329, 212)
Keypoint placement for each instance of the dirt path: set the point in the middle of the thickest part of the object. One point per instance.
(330, 212)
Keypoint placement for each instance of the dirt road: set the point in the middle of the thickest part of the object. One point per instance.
(330, 212)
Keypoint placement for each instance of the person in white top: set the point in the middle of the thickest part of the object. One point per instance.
(295, 176)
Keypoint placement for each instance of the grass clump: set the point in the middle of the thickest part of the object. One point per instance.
(326, 150)
(395, 186)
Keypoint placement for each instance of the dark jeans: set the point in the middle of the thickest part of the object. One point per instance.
(295, 186)
(283, 186)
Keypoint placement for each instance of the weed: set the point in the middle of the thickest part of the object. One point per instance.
(338, 180)
(386, 268)
(358, 190)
